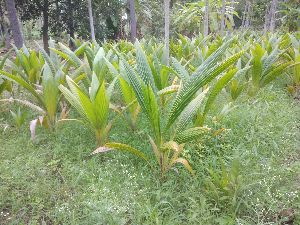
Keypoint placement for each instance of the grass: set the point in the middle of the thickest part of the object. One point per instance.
(55, 181)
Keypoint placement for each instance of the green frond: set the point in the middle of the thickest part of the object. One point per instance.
(221, 83)
(143, 67)
(198, 80)
(126, 148)
(181, 72)
(190, 134)
(189, 112)
(168, 90)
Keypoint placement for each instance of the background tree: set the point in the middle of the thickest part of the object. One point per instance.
(4, 27)
(91, 20)
(71, 17)
(247, 15)
(14, 23)
(273, 12)
(167, 30)
(35, 9)
(206, 18)
(290, 15)
(132, 20)
(223, 17)
(189, 18)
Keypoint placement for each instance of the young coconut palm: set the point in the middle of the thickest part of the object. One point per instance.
(5, 85)
(127, 94)
(293, 54)
(168, 143)
(266, 67)
(47, 95)
(93, 107)
(41, 82)
(28, 63)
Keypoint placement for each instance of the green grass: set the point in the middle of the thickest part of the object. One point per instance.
(55, 181)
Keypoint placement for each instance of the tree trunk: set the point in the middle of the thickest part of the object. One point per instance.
(4, 27)
(167, 30)
(249, 12)
(246, 15)
(223, 17)
(45, 28)
(2, 24)
(232, 4)
(71, 28)
(267, 21)
(14, 23)
(91, 20)
(132, 21)
(273, 15)
(206, 18)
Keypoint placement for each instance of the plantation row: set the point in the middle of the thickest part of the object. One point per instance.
(176, 93)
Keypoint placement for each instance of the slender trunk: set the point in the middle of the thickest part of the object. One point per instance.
(121, 29)
(45, 28)
(223, 17)
(71, 24)
(7, 40)
(244, 15)
(206, 18)
(249, 11)
(132, 21)
(91, 20)
(167, 30)
(2, 24)
(273, 15)
(4, 28)
(232, 4)
(266, 25)
(57, 13)
(14, 23)
(57, 9)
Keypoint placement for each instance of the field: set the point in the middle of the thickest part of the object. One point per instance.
(149, 112)
(54, 180)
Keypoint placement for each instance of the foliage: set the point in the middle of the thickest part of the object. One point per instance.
(40, 76)
(5, 85)
(71, 16)
(225, 186)
(290, 15)
(19, 117)
(175, 99)
(293, 55)
(94, 107)
(54, 180)
(190, 16)
(167, 144)
(267, 63)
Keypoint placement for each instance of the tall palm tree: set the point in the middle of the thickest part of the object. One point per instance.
(14, 23)
(132, 20)
(206, 18)
(167, 29)
(273, 10)
(223, 17)
(91, 20)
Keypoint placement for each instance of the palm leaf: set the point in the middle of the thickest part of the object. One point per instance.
(221, 83)
(143, 67)
(273, 74)
(190, 134)
(23, 84)
(198, 80)
(189, 112)
(120, 147)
